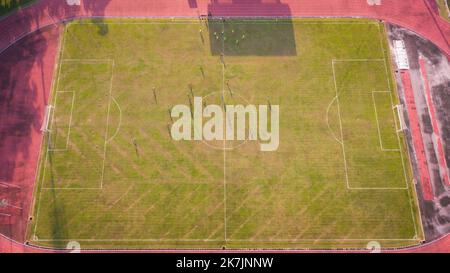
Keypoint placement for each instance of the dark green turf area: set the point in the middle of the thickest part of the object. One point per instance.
(7, 6)
(111, 176)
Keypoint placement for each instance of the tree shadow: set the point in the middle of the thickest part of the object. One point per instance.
(7, 6)
(26, 71)
(98, 7)
(21, 106)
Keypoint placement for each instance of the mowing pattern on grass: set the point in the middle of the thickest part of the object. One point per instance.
(110, 174)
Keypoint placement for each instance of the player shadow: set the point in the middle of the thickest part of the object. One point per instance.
(255, 37)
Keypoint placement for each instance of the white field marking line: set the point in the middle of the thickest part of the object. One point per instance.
(342, 135)
(105, 141)
(128, 240)
(77, 21)
(376, 117)
(388, 78)
(314, 240)
(385, 57)
(120, 120)
(88, 61)
(60, 58)
(405, 175)
(72, 189)
(212, 240)
(398, 108)
(378, 188)
(47, 151)
(224, 143)
(56, 87)
(398, 138)
(70, 121)
(358, 60)
(243, 21)
(221, 240)
(378, 123)
(340, 123)
(107, 122)
(328, 123)
(392, 104)
(404, 170)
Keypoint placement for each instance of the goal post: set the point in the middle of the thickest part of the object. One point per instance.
(401, 118)
(45, 125)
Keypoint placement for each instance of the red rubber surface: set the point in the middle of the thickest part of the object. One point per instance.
(416, 15)
(440, 245)
(417, 140)
(26, 72)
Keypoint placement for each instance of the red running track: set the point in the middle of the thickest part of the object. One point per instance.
(437, 135)
(416, 135)
(26, 68)
(416, 15)
(440, 245)
(25, 77)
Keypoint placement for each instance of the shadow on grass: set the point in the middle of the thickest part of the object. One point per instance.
(255, 37)
(252, 38)
(7, 6)
(25, 79)
(58, 219)
(99, 21)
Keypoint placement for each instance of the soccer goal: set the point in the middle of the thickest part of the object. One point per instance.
(45, 125)
(401, 118)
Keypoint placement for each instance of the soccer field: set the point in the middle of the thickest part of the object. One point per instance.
(111, 175)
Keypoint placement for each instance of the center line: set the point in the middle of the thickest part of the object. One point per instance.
(224, 143)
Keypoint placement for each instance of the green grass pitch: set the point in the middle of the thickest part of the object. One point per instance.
(110, 175)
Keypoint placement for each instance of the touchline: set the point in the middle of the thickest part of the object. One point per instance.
(227, 122)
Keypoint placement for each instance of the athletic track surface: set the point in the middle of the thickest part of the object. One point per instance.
(28, 46)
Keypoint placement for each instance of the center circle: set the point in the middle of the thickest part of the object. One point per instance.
(222, 98)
